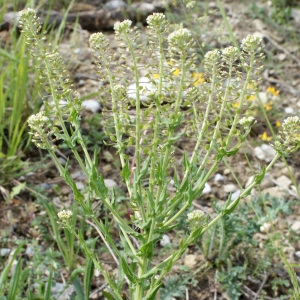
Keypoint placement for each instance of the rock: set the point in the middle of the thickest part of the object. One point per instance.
(282, 56)
(91, 105)
(165, 240)
(207, 189)
(229, 188)
(143, 8)
(264, 152)
(263, 96)
(296, 226)
(297, 254)
(110, 183)
(274, 191)
(266, 183)
(80, 185)
(265, 227)
(235, 195)
(218, 177)
(4, 251)
(284, 181)
(190, 260)
(295, 12)
(62, 291)
(62, 161)
(115, 5)
(289, 110)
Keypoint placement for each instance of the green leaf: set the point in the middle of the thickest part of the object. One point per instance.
(152, 295)
(88, 275)
(14, 282)
(108, 296)
(125, 173)
(78, 288)
(144, 169)
(47, 294)
(16, 190)
(128, 272)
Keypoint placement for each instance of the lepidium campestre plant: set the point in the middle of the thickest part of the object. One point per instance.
(169, 105)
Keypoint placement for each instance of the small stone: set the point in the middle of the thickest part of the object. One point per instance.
(115, 5)
(235, 195)
(297, 254)
(264, 152)
(263, 96)
(207, 189)
(62, 161)
(265, 227)
(274, 192)
(296, 226)
(107, 156)
(190, 260)
(165, 240)
(4, 251)
(65, 190)
(80, 185)
(229, 188)
(282, 56)
(218, 177)
(110, 183)
(91, 105)
(289, 110)
(284, 181)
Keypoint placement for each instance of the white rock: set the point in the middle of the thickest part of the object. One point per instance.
(115, 5)
(297, 253)
(295, 12)
(284, 181)
(264, 152)
(296, 226)
(110, 183)
(91, 105)
(190, 260)
(218, 177)
(235, 195)
(263, 96)
(265, 227)
(4, 251)
(207, 189)
(80, 185)
(289, 110)
(229, 188)
(165, 240)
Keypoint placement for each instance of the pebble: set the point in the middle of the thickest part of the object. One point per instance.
(264, 152)
(235, 195)
(4, 251)
(115, 4)
(265, 227)
(91, 105)
(165, 240)
(110, 183)
(289, 110)
(190, 260)
(297, 253)
(218, 177)
(284, 181)
(80, 185)
(274, 192)
(229, 188)
(296, 226)
(207, 189)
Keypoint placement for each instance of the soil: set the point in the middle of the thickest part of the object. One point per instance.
(281, 44)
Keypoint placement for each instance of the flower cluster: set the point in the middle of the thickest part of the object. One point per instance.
(251, 43)
(96, 39)
(65, 215)
(122, 27)
(196, 219)
(288, 139)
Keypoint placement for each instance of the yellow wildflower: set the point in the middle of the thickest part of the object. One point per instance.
(251, 98)
(268, 105)
(273, 91)
(236, 104)
(278, 123)
(155, 76)
(265, 137)
(199, 78)
(176, 72)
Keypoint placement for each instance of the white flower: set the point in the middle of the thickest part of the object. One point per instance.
(65, 215)
(96, 39)
(251, 43)
(120, 27)
(178, 35)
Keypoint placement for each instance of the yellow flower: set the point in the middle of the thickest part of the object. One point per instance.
(278, 123)
(268, 105)
(265, 137)
(198, 78)
(176, 72)
(273, 91)
(252, 86)
(251, 98)
(236, 104)
(155, 76)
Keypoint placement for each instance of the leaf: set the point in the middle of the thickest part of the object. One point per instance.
(125, 173)
(128, 272)
(16, 190)
(108, 296)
